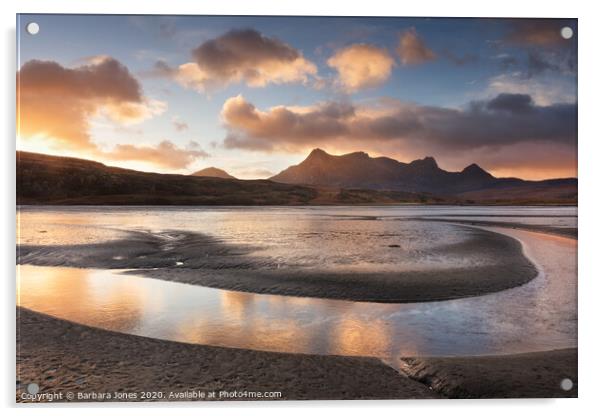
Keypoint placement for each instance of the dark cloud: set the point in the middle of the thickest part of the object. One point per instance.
(507, 119)
(513, 103)
(545, 50)
(243, 55)
(224, 56)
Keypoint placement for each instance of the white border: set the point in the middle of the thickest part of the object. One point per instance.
(590, 180)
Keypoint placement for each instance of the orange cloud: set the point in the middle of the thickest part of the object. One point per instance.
(240, 56)
(57, 103)
(412, 50)
(282, 128)
(361, 66)
(166, 154)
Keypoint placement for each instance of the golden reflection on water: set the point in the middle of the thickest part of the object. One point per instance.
(243, 321)
(357, 337)
(79, 295)
(124, 303)
(236, 304)
(538, 315)
(120, 302)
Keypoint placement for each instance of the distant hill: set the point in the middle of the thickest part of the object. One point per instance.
(359, 170)
(53, 180)
(213, 173)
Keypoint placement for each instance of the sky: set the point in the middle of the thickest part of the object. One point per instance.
(254, 95)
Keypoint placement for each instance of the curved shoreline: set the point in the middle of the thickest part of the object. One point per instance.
(62, 356)
(212, 263)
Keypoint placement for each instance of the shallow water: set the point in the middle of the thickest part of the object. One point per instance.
(323, 238)
(537, 316)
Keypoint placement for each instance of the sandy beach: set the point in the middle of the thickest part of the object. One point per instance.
(65, 357)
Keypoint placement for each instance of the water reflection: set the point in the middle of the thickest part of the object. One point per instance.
(352, 336)
(539, 315)
(119, 306)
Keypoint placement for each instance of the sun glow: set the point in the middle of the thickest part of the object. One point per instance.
(42, 143)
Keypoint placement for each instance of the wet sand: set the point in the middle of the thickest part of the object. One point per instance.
(534, 375)
(203, 260)
(65, 357)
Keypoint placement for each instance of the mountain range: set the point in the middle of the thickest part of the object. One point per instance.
(321, 179)
(360, 171)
